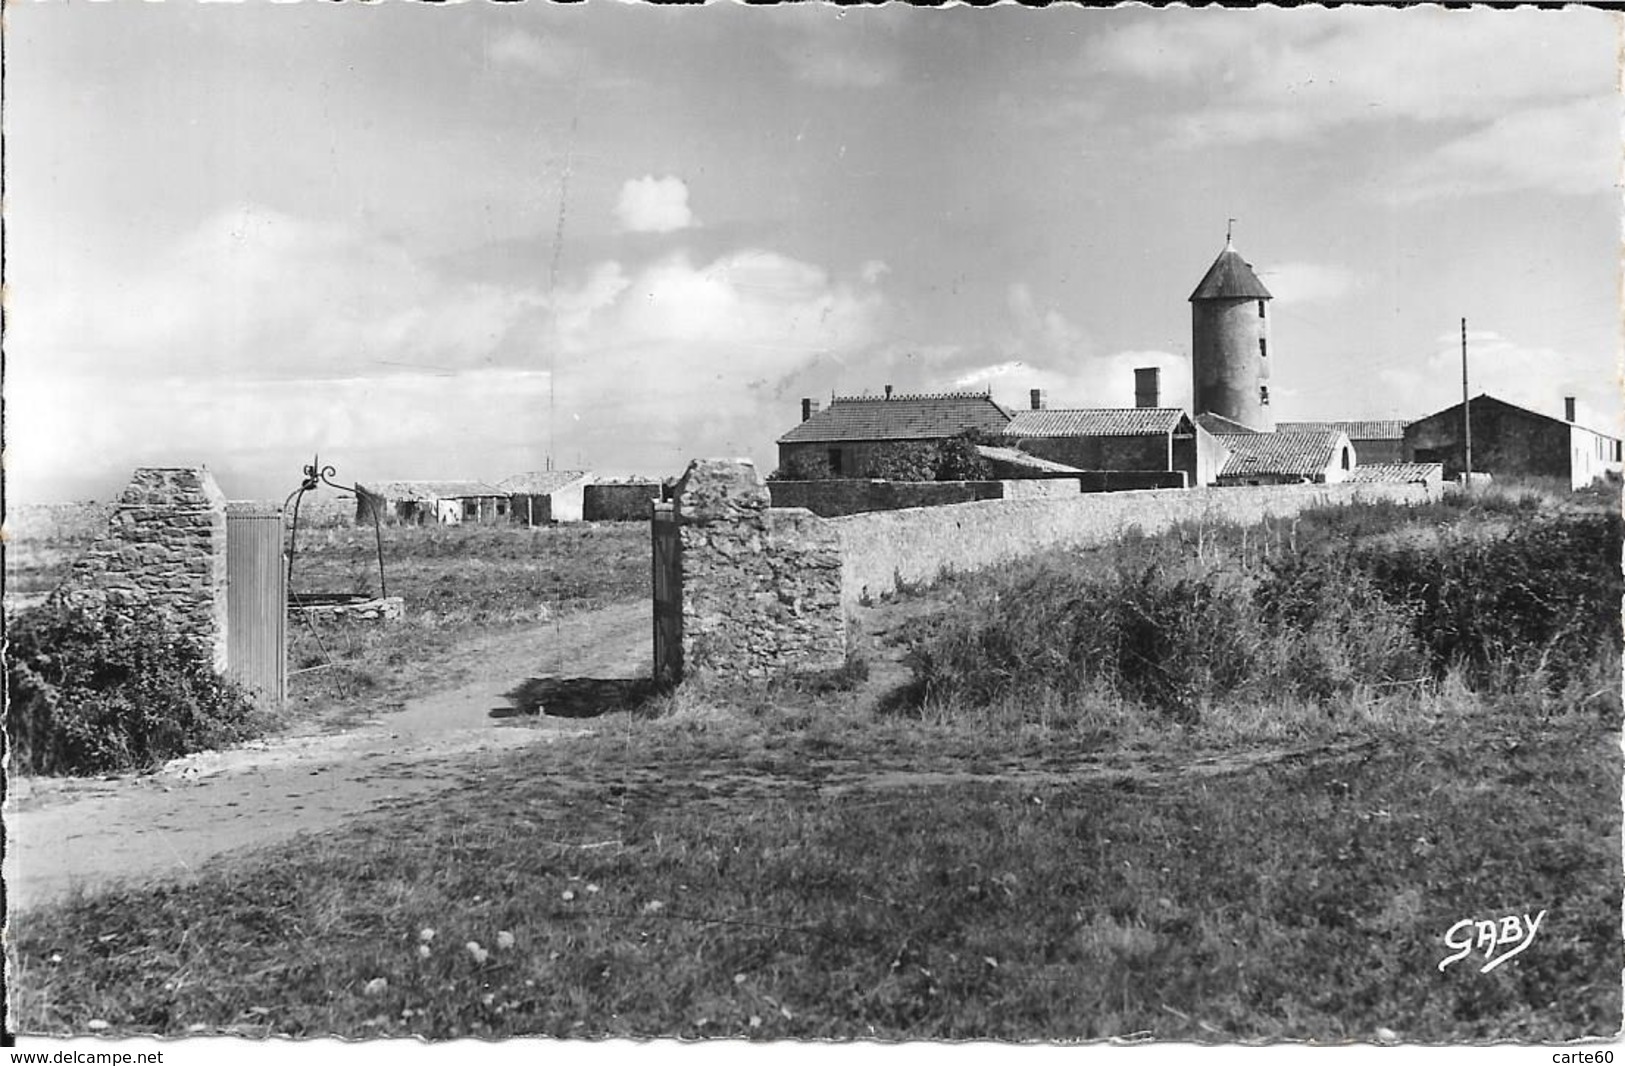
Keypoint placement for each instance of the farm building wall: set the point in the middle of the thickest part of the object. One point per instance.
(531, 509)
(619, 502)
(857, 458)
(1103, 453)
(163, 554)
(1507, 441)
(1592, 455)
(1374, 451)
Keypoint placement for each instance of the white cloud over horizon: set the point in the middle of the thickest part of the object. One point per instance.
(273, 331)
(1530, 375)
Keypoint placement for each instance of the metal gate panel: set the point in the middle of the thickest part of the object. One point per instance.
(256, 604)
(665, 551)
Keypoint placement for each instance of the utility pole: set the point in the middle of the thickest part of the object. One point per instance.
(1466, 411)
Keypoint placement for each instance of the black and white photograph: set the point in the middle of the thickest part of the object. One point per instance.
(859, 529)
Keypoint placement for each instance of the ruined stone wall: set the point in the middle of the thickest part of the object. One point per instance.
(761, 589)
(882, 548)
(163, 554)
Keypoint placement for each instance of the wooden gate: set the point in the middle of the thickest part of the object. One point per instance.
(668, 595)
(256, 604)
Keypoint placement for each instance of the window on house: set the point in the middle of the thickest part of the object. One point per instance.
(1264, 395)
(1616, 451)
(502, 507)
(835, 461)
(1261, 309)
(1263, 347)
(1345, 459)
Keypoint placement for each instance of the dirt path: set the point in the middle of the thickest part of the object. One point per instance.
(90, 834)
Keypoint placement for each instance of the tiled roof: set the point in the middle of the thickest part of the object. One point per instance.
(1371, 429)
(902, 416)
(1097, 422)
(429, 490)
(1220, 426)
(540, 482)
(1017, 457)
(1230, 277)
(1281, 454)
(1403, 473)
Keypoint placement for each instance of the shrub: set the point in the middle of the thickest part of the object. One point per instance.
(1540, 596)
(1150, 622)
(958, 459)
(905, 462)
(88, 693)
(803, 466)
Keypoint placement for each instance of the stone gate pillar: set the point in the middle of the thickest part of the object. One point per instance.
(163, 554)
(761, 588)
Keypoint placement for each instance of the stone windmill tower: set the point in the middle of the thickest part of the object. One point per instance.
(1230, 356)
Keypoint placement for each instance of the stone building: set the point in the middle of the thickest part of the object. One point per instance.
(1380, 440)
(855, 435)
(430, 502)
(546, 496)
(1321, 457)
(1513, 441)
(1119, 439)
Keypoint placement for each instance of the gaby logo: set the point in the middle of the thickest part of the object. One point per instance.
(1492, 936)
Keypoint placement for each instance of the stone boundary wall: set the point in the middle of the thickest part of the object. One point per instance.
(881, 548)
(835, 497)
(163, 553)
(1131, 480)
(761, 588)
(618, 501)
(768, 591)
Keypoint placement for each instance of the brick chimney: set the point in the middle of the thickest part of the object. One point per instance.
(1148, 387)
(809, 407)
(888, 392)
(1036, 397)
(1568, 408)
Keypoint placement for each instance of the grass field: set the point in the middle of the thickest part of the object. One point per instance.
(809, 861)
(459, 583)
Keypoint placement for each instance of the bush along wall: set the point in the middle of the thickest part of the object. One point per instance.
(92, 692)
(1150, 623)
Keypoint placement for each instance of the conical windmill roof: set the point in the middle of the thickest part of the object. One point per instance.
(1230, 278)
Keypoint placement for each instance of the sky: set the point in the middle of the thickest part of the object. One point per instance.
(470, 240)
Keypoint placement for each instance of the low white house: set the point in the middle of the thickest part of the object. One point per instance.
(541, 497)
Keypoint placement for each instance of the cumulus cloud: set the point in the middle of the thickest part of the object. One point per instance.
(654, 205)
(259, 292)
(1531, 375)
(1099, 380)
(262, 337)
